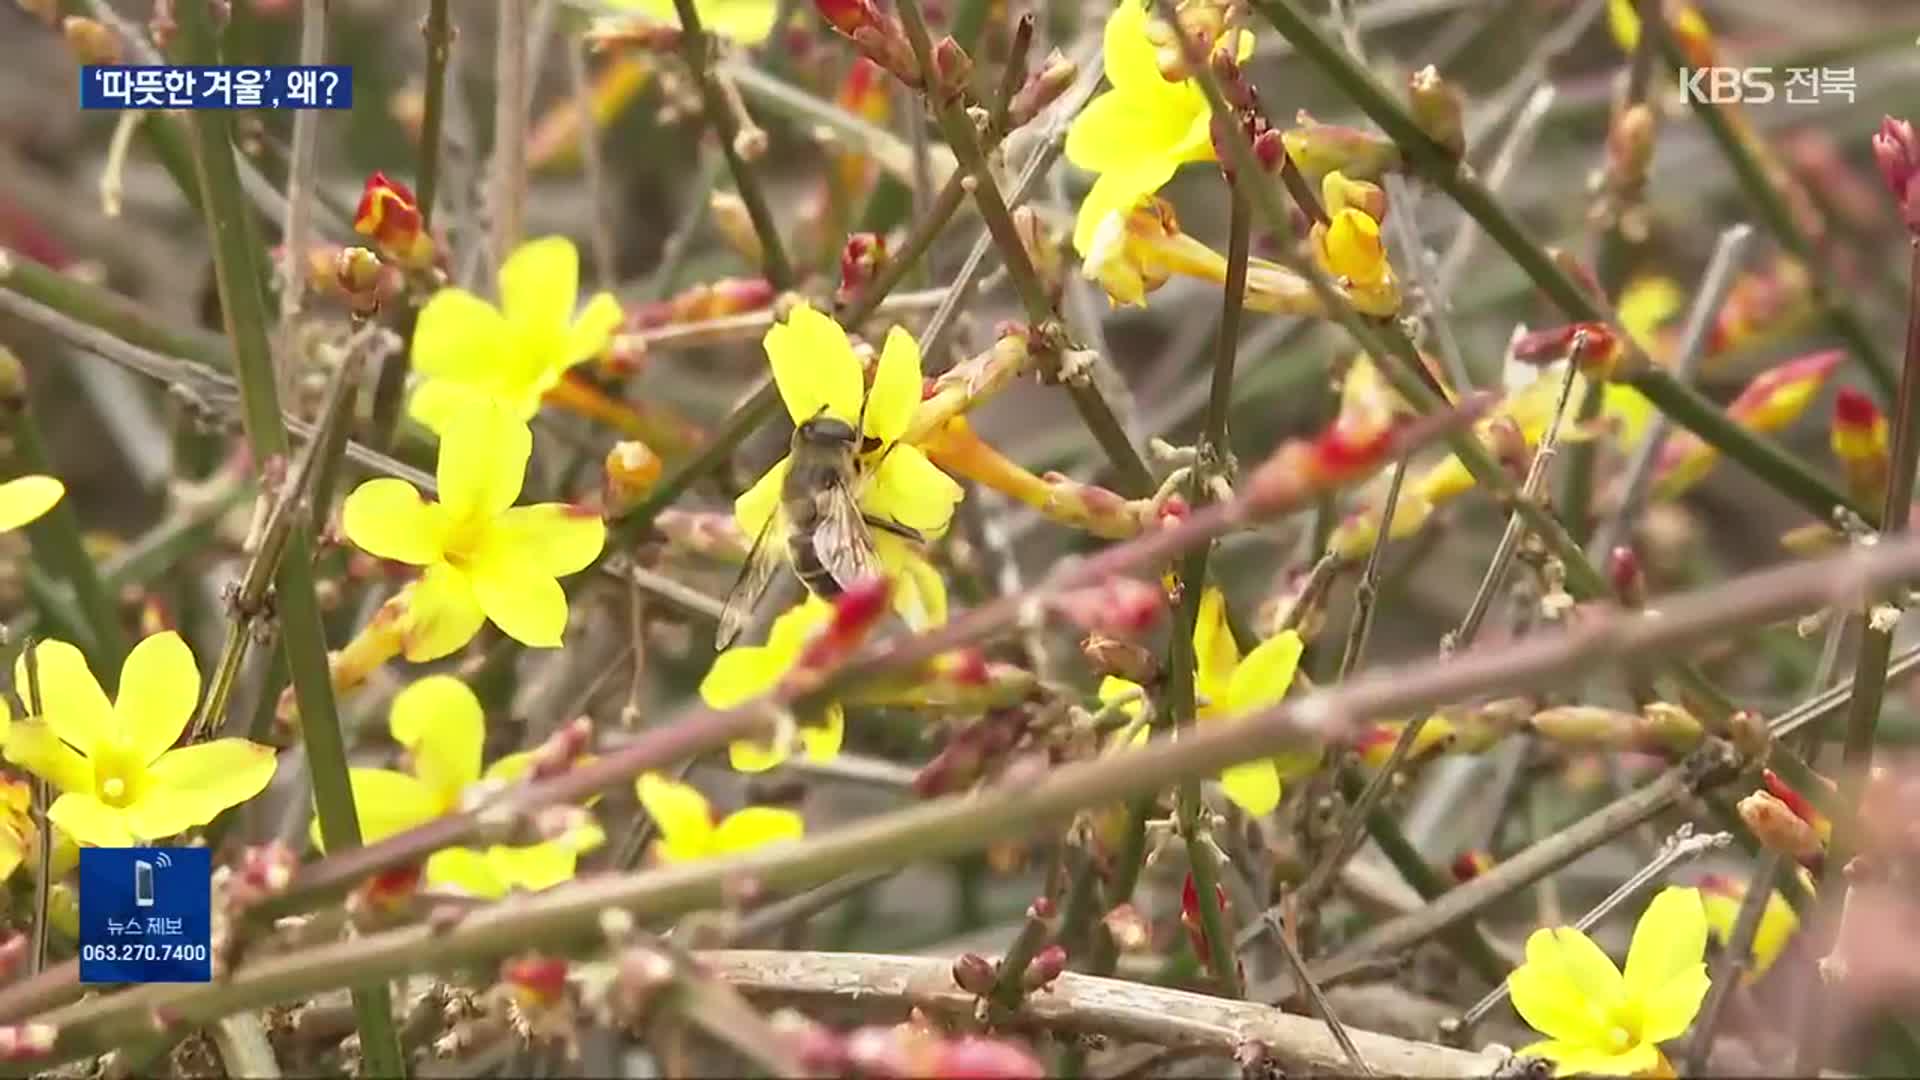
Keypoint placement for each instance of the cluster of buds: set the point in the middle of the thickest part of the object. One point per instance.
(1859, 440)
(879, 37)
(1035, 966)
(1785, 821)
(1303, 469)
(1897, 151)
(704, 302)
(391, 217)
(1630, 136)
(1317, 149)
(1770, 402)
(975, 752)
(1658, 727)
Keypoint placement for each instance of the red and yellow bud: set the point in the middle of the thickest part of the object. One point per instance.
(1318, 149)
(1769, 403)
(535, 980)
(554, 143)
(1860, 441)
(1592, 345)
(632, 470)
(1684, 21)
(1375, 743)
(1779, 829)
(390, 215)
(1469, 865)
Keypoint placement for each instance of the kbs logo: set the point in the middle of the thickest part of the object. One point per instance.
(1727, 85)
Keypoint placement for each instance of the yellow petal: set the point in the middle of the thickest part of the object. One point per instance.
(192, 785)
(71, 701)
(681, 813)
(756, 505)
(90, 821)
(528, 606)
(814, 366)
(555, 539)
(540, 283)
(159, 686)
(462, 337)
(532, 866)
(440, 722)
(756, 826)
(465, 870)
(1353, 248)
(1122, 129)
(911, 490)
(1629, 410)
(1646, 304)
(1253, 786)
(822, 741)
(896, 387)
(439, 403)
(1566, 987)
(1127, 52)
(35, 748)
(1623, 22)
(1264, 677)
(1131, 695)
(741, 674)
(919, 593)
(385, 517)
(1116, 192)
(483, 463)
(593, 328)
(13, 849)
(387, 802)
(442, 614)
(1666, 973)
(1215, 653)
(24, 499)
(752, 756)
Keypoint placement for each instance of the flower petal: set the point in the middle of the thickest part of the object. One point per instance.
(35, 748)
(1253, 786)
(532, 866)
(540, 283)
(483, 463)
(1131, 694)
(753, 756)
(440, 722)
(465, 870)
(814, 366)
(756, 826)
(741, 673)
(1264, 677)
(681, 813)
(1127, 52)
(192, 785)
(460, 336)
(912, 491)
(593, 328)
(1116, 192)
(756, 505)
(90, 821)
(896, 387)
(159, 686)
(386, 517)
(387, 802)
(442, 614)
(24, 499)
(1566, 987)
(1665, 972)
(555, 539)
(1215, 653)
(527, 605)
(822, 741)
(440, 404)
(71, 701)
(919, 593)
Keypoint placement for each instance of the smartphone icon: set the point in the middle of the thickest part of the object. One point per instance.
(142, 883)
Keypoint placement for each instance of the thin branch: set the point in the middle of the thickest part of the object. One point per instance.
(1297, 965)
(510, 85)
(300, 182)
(437, 31)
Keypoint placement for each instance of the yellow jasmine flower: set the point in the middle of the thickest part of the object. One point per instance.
(689, 832)
(20, 837)
(1138, 133)
(121, 782)
(470, 351)
(745, 21)
(1723, 896)
(440, 723)
(745, 672)
(1227, 686)
(484, 557)
(818, 374)
(1600, 1021)
(24, 499)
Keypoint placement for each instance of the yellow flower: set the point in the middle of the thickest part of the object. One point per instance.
(484, 557)
(120, 780)
(818, 374)
(1227, 686)
(442, 727)
(1778, 923)
(1599, 1021)
(469, 350)
(688, 831)
(745, 21)
(20, 838)
(745, 672)
(24, 499)
(1136, 134)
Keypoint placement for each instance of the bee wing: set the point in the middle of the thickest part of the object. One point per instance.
(763, 558)
(841, 540)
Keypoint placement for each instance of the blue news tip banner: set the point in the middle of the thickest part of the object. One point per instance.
(145, 915)
(125, 86)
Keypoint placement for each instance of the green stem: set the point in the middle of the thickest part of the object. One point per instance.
(109, 311)
(1432, 161)
(237, 270)
(438, 32)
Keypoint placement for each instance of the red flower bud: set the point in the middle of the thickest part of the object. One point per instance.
(1470, 864)
(1045, 968)
(535, 979)
(974, 973)
(390, 215)
(860, 260)
(1897, 151)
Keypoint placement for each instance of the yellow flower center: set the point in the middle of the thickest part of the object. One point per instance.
(1619, 1039)
(116, 775)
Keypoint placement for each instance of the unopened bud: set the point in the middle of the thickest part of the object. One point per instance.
(91, 41)
(1128, 928)
(1630, 145)
(730, 217)
(1043, 248)
(1042, 88)
(1341, 192)
(1437, 109)
(1751, 735)
(535, 980)
(1122, 659)
(1778, 828)
(951, 65)
(632, 470)
(1671, 726)
(1046, 967)
(1319, 149)
(847, 16)
(363, 279)
(1628, 578)
(1896, 149)
(1591, 345)
(390, 216)
(860, 260)
(975, 974)
(1470, 864)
